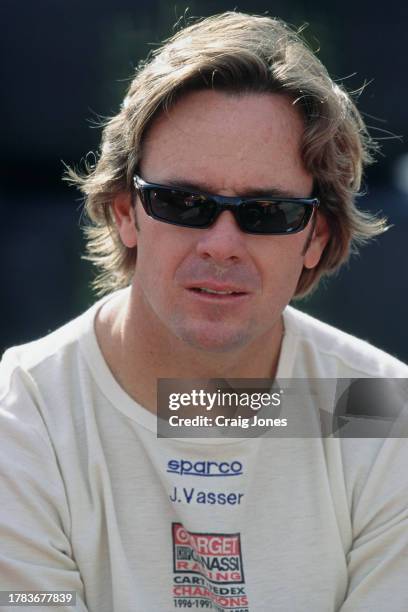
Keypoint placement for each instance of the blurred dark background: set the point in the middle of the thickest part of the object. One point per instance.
(67, 63)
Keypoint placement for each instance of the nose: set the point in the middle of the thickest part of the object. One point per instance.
(223, 242)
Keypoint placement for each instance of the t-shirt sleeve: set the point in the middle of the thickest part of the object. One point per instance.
(35, 550)
(378, 558)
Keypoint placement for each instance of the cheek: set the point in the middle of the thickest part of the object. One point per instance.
(281, 275)
(160, 250)
(283, 265)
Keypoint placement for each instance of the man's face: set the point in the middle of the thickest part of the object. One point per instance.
(227, 145)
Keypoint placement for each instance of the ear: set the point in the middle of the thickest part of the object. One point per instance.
(317, 242)
(124, 214)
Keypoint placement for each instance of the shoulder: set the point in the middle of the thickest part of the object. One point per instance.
(42, 382)
(42, 362)
(325, 351)
(33, 355)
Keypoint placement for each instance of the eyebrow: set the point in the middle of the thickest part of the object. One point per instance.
(256, 192)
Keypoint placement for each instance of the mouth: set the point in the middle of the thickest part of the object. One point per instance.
(218, 294)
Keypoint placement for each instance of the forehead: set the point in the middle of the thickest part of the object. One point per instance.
(229, 143)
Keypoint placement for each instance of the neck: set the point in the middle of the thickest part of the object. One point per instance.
(139, 352)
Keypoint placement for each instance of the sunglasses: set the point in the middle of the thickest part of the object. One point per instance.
(262, 215)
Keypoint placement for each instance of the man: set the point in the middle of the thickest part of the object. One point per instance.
(224, 188)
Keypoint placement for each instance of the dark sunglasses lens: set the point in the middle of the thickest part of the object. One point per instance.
(181, 208)
(272, 218)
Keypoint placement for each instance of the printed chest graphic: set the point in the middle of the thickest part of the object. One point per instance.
(210, 471)
(208, 571)
(191, 495)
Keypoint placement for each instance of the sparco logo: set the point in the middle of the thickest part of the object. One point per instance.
(204, 468)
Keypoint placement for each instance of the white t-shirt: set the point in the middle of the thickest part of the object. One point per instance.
(93, 501)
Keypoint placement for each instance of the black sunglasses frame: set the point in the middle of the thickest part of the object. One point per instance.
(223, 203)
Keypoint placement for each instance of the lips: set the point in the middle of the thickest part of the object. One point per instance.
(217, 292)
(209, 281)
(213, 291)
(217, 289)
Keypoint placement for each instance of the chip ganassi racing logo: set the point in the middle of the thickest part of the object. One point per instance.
(208, 571)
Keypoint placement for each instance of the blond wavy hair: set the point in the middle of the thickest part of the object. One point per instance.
(234, 52)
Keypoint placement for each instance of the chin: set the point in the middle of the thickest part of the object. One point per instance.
(216, 340)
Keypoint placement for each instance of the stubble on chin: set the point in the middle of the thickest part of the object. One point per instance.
(212, 336)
